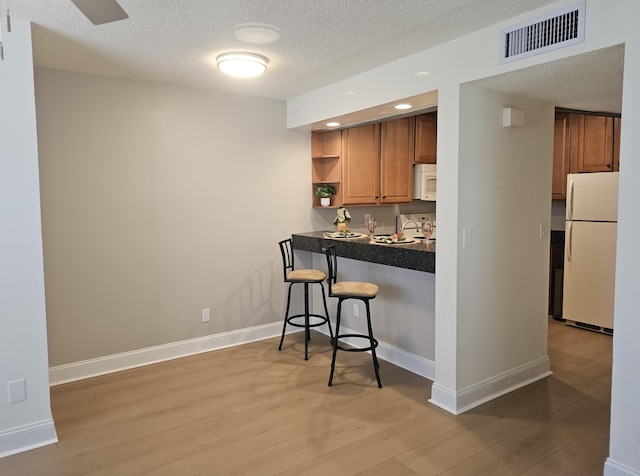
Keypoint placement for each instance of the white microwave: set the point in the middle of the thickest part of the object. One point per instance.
(424, 182)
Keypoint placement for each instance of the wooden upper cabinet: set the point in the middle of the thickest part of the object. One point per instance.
(372, 164)
(583, 143)
(591, 143)
(426, 138)
(326, 144)
(361, 165)
(396, 159)
(560, 157)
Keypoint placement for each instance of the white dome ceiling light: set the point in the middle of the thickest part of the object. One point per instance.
(242, 64)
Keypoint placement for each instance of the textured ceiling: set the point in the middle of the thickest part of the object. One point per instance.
(321, 42)
(590, 81)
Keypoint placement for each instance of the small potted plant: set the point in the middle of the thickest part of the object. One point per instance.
(324, 192)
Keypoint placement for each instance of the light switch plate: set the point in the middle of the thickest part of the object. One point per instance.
(466, 237)
(543, 230)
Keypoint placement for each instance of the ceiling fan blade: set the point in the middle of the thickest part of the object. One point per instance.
(101, 11)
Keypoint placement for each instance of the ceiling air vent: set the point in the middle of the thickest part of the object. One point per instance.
(548, 32)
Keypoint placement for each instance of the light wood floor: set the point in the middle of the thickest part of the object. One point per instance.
(254, 410)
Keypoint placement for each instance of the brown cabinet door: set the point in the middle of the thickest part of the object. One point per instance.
(361, 165)
(426, 138)
(592, 143)
(396, 159)
(560, 157)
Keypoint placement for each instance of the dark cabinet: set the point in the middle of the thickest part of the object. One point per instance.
(556, 274)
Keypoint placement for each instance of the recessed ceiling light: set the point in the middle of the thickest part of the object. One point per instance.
(403, 106)
(242, 64)
(257, 33)
(422, 73)
(333, 124)
(350, 93)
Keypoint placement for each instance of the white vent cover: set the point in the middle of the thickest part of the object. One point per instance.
(545, 33)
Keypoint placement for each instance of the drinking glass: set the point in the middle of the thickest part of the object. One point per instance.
(371, 225)
(427, 230)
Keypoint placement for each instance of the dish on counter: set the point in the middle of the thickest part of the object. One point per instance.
(395, 239)
(342, 235)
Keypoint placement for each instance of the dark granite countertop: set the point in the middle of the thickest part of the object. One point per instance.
(415, 256)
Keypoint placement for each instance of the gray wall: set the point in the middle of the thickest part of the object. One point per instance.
(158, 202)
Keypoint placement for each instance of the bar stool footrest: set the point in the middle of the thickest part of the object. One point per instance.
(322, 320)
(355, 349)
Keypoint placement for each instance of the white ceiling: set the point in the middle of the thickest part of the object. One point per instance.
(321, 42)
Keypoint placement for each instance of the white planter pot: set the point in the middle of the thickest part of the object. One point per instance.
(325, 201)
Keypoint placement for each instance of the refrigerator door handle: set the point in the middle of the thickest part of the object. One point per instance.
(570, 201)
(569, 240)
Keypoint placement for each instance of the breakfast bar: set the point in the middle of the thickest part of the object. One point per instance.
(403, 313)
(415, 256)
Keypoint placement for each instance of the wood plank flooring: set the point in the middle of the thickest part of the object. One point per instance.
(254, 410)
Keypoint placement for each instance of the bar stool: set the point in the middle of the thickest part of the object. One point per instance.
(344, 290)
(306, 277)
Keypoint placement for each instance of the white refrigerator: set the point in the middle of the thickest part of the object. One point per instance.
(590, 250)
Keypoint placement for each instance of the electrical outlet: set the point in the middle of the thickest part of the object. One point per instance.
(356, 310)
(366, 217)
(17, 391)
(205, 315)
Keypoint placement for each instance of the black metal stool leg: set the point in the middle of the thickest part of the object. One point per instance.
(326, 311)
(307, 332)
(334, 341)
(286, 316)
(376, 366)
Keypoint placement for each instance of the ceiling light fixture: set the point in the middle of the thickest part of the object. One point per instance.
(242, 64)
(403, 106)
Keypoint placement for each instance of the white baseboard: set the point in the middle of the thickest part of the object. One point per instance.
(413, 363)
(150, 355)
(460, 401)
(160, 353)
(612, 468)
(27, 437)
